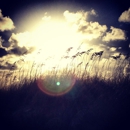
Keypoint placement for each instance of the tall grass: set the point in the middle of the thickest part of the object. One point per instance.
(83, 65)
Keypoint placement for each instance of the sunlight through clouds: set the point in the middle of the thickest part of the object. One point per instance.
(63, 42)
(89, 30)
(50, 33)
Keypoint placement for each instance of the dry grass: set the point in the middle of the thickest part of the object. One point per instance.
(83, 65)
(99, 99)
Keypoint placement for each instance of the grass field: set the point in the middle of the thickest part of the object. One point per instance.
(98, 99)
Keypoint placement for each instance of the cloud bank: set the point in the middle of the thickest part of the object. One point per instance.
(75, 29)
(90, 30)
(5, 23)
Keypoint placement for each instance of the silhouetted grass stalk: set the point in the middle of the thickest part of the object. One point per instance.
(84, 65)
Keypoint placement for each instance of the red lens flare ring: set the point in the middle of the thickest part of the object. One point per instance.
(56, 85)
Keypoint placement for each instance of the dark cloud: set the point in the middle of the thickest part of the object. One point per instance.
(21, 50)
(3, 52)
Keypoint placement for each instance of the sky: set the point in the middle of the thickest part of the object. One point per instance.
(44, 29)
(38, 34)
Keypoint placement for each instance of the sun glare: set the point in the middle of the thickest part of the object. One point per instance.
(51, 38)
(54, 37)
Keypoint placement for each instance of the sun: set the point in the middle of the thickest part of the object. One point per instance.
(52, 37)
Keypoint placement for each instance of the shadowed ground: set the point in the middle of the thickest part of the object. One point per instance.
(92, 105)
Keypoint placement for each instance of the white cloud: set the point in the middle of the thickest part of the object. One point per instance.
(114, 34)
(112, 49)
(90, 30)
(5, 23)
(22, 39)
(77, 18)
(21, 43)
(125, 16)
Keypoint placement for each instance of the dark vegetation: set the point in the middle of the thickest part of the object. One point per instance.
(94, 103)
(91, 105)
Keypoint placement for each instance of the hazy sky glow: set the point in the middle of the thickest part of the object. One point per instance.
(43, 33)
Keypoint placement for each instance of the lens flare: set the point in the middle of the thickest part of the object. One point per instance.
(56, 85)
